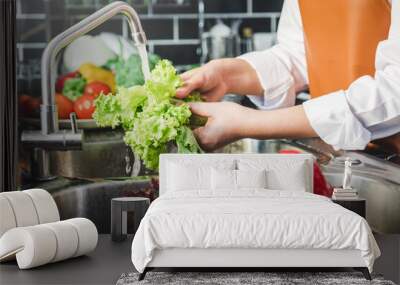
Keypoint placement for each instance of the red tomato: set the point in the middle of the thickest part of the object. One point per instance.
(84, 106)
(64, 106)
(95, 88)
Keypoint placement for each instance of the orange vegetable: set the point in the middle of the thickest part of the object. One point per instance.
(64, 106)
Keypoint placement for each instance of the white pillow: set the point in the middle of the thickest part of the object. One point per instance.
(187, 177)
(282, 174)
(251, 178)
(223, 179)
(227, 179)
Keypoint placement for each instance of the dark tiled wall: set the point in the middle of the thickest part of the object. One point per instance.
(172, 29)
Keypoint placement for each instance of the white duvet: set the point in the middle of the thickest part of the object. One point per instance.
(250, 219)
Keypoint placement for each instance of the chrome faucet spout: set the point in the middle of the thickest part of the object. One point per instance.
(49, 115)
(50, 137)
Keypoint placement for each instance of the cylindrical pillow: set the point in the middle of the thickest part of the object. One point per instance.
(46, 208)
(7, 218)
(37, 245)
(33, 246)
(67, 240)
(87, 234)
(23, 208)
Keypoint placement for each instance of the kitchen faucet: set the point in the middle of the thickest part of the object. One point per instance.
(50, 137)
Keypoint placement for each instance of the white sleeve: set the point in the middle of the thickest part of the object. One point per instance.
(370, 108)
(281, 69)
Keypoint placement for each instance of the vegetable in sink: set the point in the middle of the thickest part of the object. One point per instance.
(129, 72)
(73, 88)
(82, 86)
(79, 89)
(150, 115)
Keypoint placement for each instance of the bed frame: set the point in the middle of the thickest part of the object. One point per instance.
(242, 259)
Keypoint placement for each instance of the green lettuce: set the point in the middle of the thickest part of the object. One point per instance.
(73, 88)
(150, 116)
(108, 111)
(129, 72)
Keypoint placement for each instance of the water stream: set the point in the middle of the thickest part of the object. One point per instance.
(145, 60)
(134, 169)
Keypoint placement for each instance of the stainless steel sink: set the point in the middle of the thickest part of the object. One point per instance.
(93, 201)
(104, 154)
(377, 180)
(383, 200)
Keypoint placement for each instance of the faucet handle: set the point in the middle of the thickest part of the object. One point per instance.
(74, 124)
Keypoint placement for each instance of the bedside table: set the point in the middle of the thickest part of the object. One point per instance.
(119, 208)
(357, 205)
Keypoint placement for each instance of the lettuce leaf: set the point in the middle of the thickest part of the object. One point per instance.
(132, 101)
(186, 141)
(150, 116)
(108, 111)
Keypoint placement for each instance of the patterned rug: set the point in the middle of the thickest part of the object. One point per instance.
(244, 278)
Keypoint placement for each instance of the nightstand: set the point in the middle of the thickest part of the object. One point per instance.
(357, 205)
(119, 208)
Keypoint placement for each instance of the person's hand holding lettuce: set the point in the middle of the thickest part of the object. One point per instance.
(149, 114)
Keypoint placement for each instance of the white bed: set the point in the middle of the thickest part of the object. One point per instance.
(248, 227)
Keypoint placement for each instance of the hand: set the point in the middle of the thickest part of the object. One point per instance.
(208, 80)
(221, 76)
(223, 125)
(228, 122)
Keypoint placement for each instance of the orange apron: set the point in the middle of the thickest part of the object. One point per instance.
(341, 37)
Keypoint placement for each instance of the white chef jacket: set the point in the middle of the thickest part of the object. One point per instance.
(346, 119)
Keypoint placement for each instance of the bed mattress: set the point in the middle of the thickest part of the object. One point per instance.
(250, 219)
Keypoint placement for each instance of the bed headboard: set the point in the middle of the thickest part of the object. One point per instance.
(216, 158)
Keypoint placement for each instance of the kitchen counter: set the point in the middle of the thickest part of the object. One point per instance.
(102, 266)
